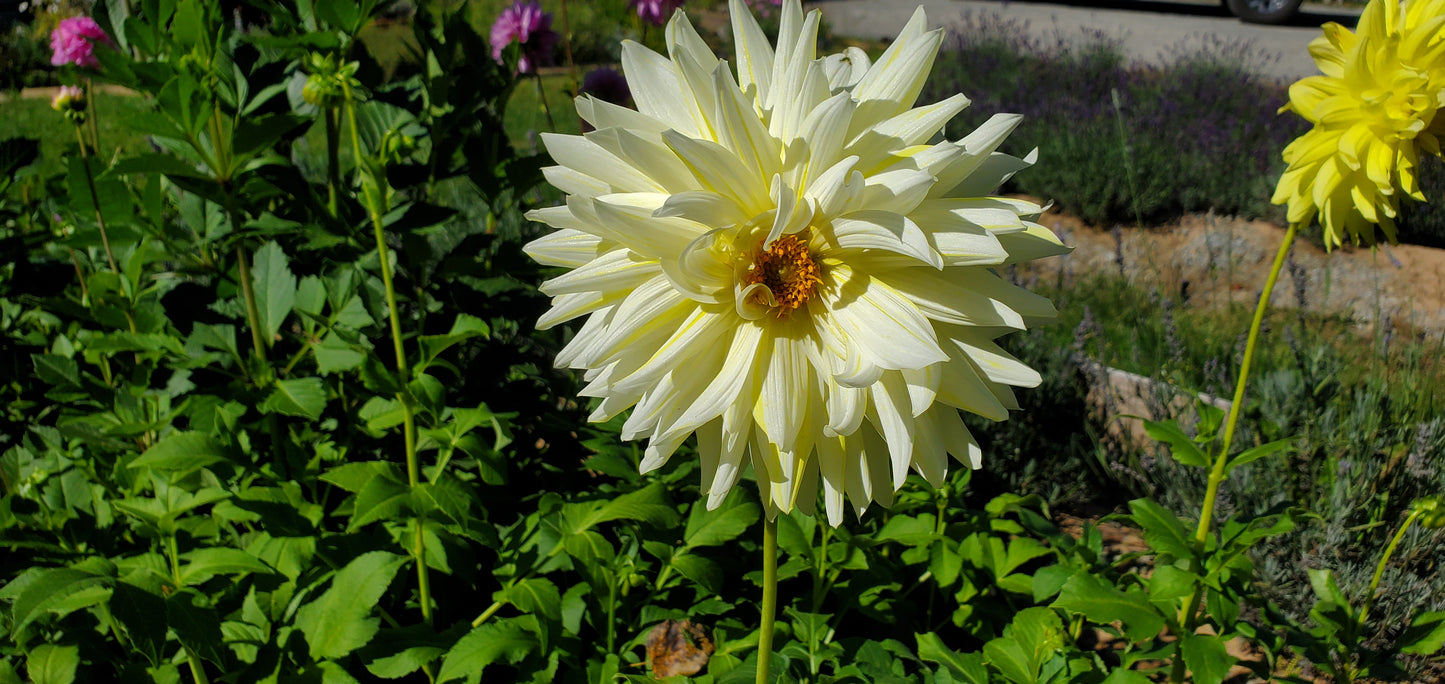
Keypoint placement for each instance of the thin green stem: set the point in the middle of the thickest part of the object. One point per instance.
(375, 201)
(770, 599)
(248, 290)
(198, 670)
(95, 198)
(1189, 612)
(542, 94)
(1380, 570)
(333, 164)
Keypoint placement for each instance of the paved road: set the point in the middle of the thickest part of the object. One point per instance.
(1150, 32)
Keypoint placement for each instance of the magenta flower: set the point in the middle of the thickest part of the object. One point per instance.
(73, 42)
(525, 23)
(655, 11)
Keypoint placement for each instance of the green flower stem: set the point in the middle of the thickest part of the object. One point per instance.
(374, 202)
(95, 198)
(333, 162)
(90, 94)
(1189, 612)
(248, 290)
(1380, 569)
(198, 670)
(542, 95)
(770, 598)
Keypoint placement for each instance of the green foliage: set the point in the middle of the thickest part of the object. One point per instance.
(219, 457)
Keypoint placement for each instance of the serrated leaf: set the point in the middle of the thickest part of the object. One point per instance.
(339, 622)
(52, 664)
(1086, 594)
(1206, 658)
(466, 326)
(56, 370)
(1163, 531)
(534, 595)
(334, 355)
(1169, 583)
(909, 530)
(1181, 446)
(727, 522)
(203, 564)
(181, 451)
(49, 590)
(707, 574)
(305, 397)
(275, 288)
(648, 504)
(945, 562)
(506, 640)
(965, 667)
(1033, 637)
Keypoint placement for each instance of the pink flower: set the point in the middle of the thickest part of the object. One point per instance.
(527, 24)
(73, 42)
(655, 11)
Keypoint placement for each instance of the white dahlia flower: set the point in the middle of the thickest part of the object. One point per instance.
(781, 262)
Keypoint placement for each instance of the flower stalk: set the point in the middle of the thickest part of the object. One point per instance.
(375, 207)
(770, 598)
(1380, 568)
(1189, 612)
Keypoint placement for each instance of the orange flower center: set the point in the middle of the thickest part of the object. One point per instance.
(787, 270)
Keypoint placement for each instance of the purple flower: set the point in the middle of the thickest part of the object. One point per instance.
(655, 11)
(607, 85)
(527, 24)
(73, 42)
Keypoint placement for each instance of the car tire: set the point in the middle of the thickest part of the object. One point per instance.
(1264, 11)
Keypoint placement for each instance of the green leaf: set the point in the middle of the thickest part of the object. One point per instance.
(715, 527)
(535, 595)
(967, 667)
(1169, 583)
(707, 574)
(1425, 635)
(152, 162)
(196, 624)
(181, 451)
(305, 397)
(1122, 676)
(275, 289)
(1206, 658)
(945, 562)
(204, 564)
(1181, 446)
(1031, 640)
(909, 530)
(142, 615)
(466, 326)
(1256, 453)
(52, 664)
(1086, 594)
(334, 355)
(56, 590)
(1162, 529)
(648, 504)
(339, 622)
(504, 639)
(56, 370)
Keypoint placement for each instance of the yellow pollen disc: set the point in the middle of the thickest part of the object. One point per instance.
(787, 270)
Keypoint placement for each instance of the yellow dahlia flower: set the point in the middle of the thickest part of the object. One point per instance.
(781, 263)
(1373, 109)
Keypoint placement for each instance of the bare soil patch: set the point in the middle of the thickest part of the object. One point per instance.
(1215, 260)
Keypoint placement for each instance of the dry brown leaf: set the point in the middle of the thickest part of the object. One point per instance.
(678, 647)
